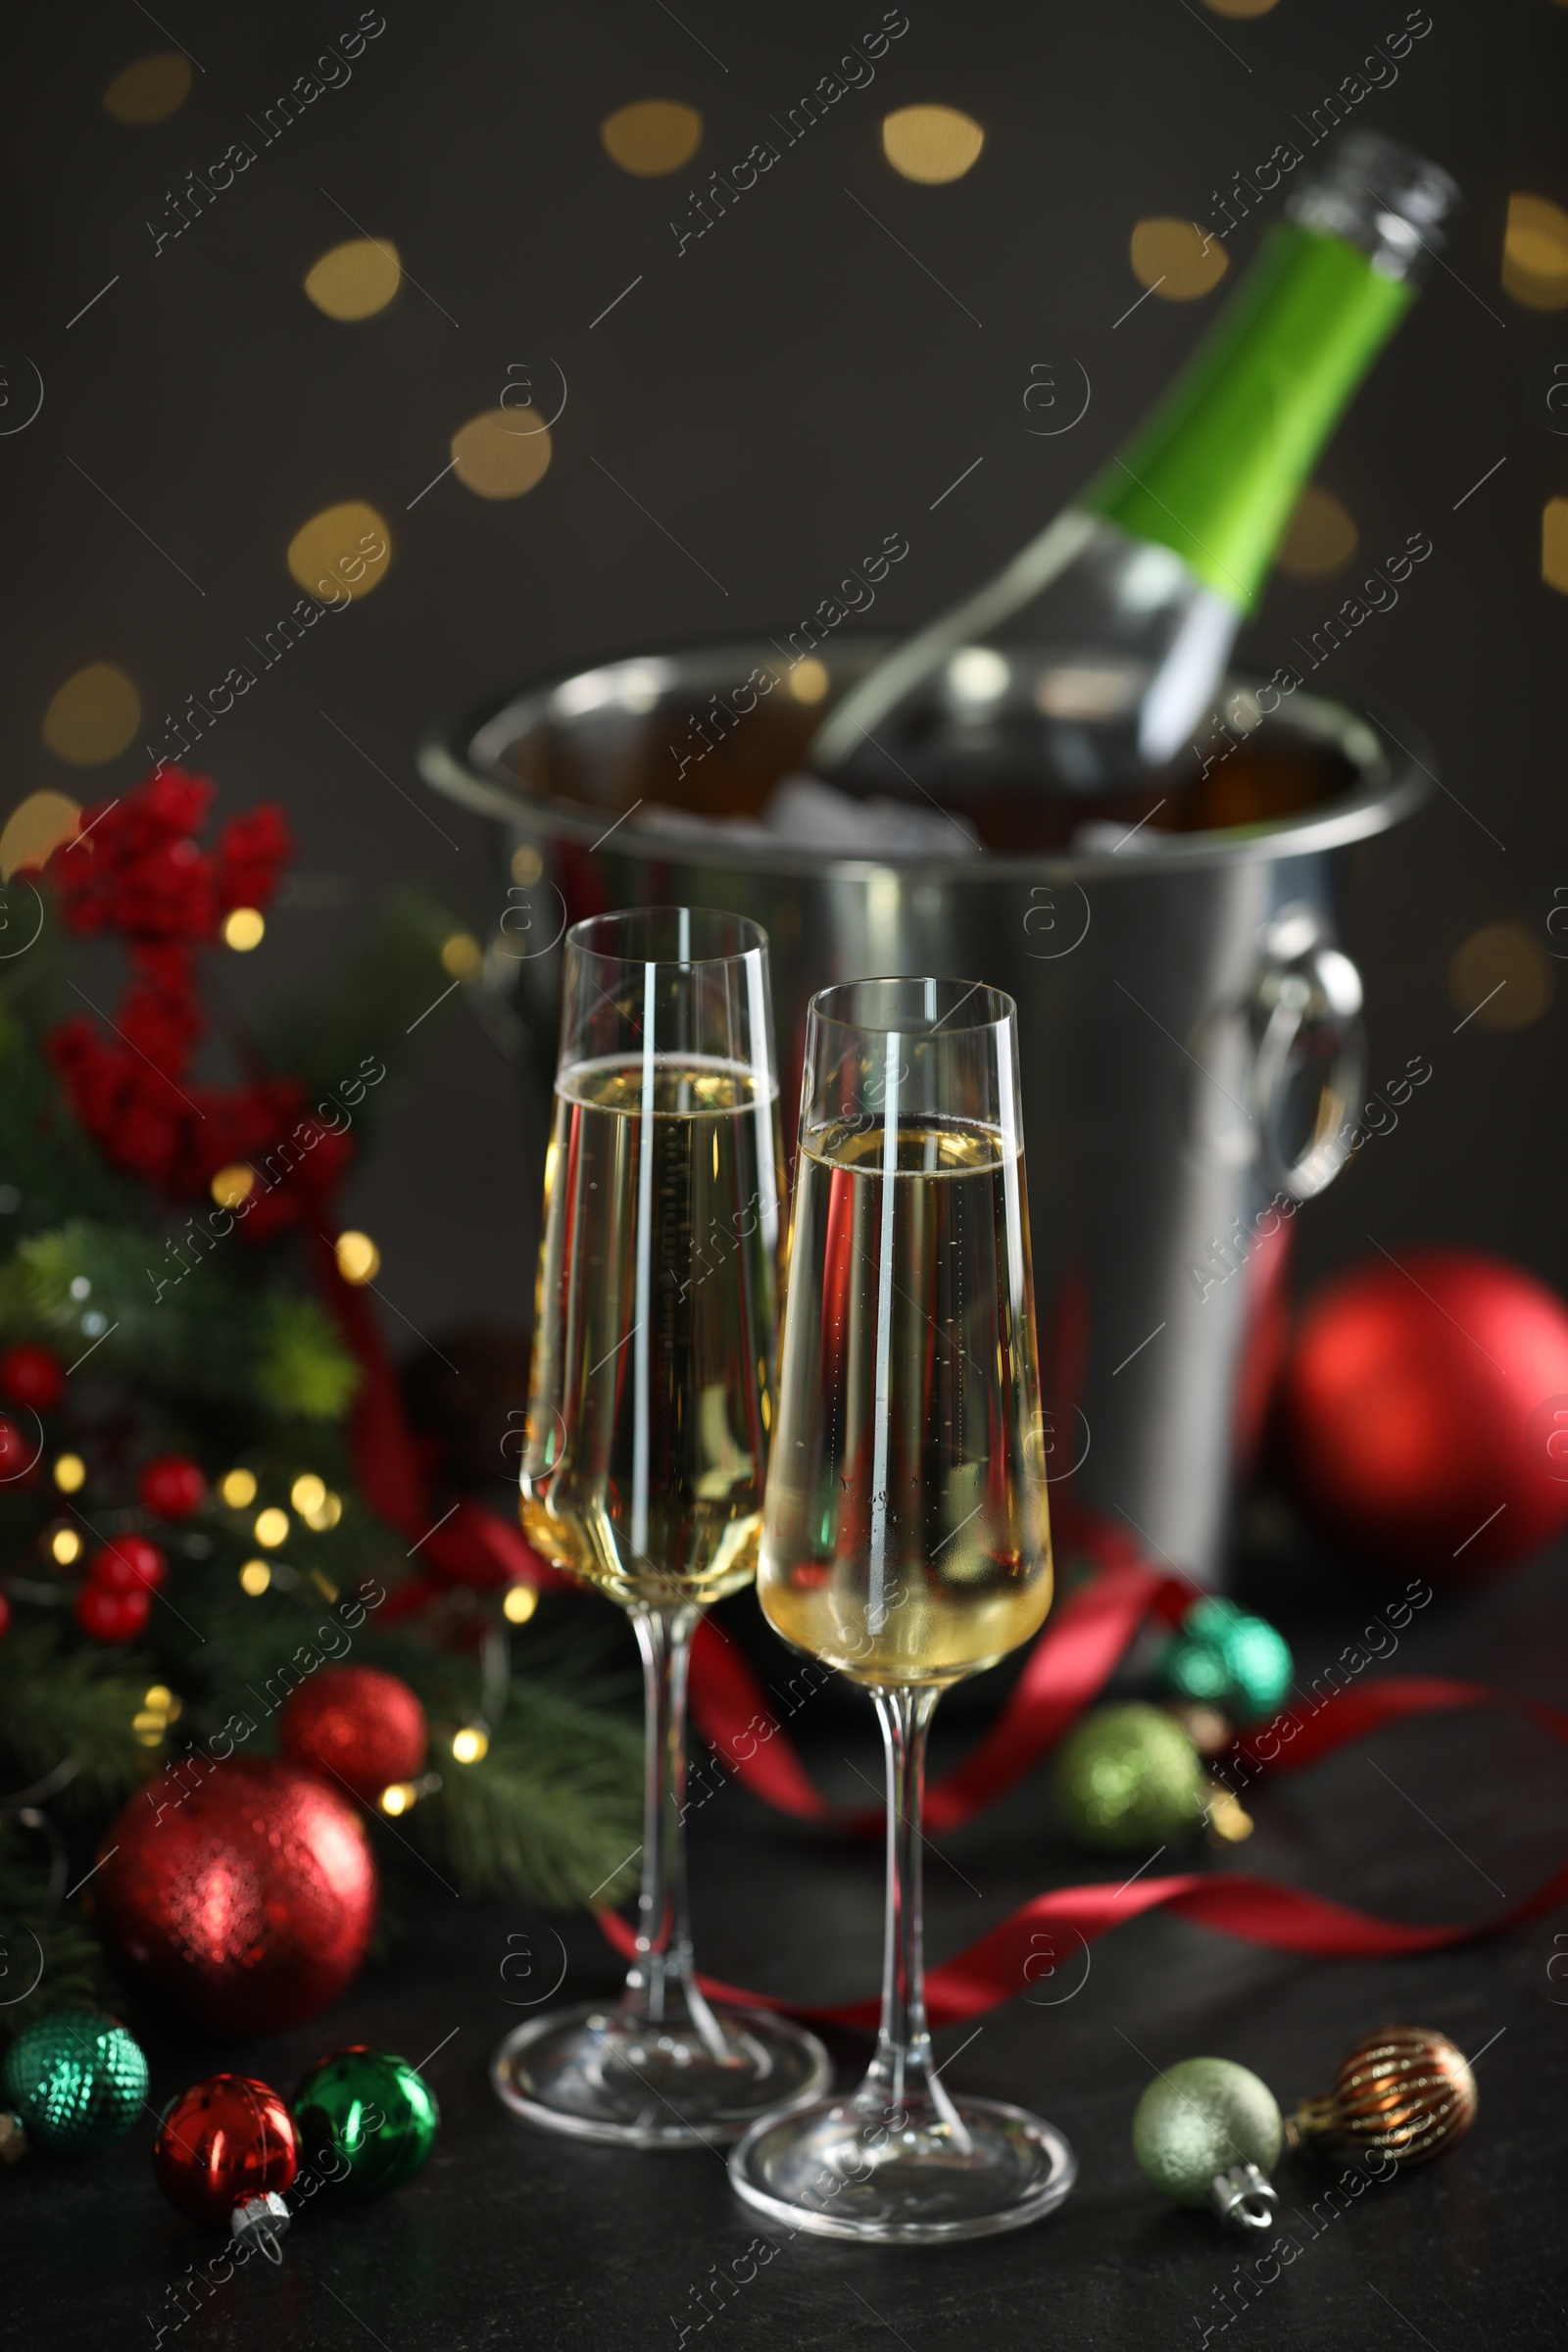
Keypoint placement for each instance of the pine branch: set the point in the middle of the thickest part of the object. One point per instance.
(49, 1959)
(204, 1335)
(552, 1811)
(60, 1702)
(43, 1152)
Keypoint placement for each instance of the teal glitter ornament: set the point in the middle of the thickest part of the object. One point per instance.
(1127, 1777)
(1227, 1659)
(1207, 2131)
(76, 2079)
(366, 2120)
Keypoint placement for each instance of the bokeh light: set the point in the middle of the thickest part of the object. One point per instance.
(93, 716)
(1501, 977)
(355, 280)
(651, 136)
(931, 144)
(1174, 259)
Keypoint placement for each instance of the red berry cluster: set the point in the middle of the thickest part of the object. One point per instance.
(115, 1599)
(137, 870)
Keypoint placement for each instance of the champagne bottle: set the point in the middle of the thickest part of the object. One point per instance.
(1128, 605)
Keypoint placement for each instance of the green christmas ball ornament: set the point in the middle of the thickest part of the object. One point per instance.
(1127, 1777)
(76, 2080)
(369, 2111)
(1207, 2131)
(1227, 1659)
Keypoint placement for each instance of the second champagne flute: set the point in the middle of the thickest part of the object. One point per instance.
(907, 1539)
(650, 1412)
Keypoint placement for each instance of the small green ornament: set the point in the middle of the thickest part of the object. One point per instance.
(370, 2111)
(76, 2079)
(1227, 1659)
(1128, 1776)
(1201, 2118)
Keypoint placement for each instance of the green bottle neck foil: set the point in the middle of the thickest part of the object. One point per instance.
(1215, 472)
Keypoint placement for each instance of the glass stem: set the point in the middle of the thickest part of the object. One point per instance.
(901, 2077)
(662, 1988)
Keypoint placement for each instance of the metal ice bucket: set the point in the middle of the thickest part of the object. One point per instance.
(1190, 1032)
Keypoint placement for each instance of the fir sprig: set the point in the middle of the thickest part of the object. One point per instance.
(49, 1958)
(63, 1701)
(201, 1333)
(551, 1812)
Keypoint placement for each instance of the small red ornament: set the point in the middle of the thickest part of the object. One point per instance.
(32, 1375)
(173, 1486)
(17, 1455)
(1425, 1412)
(111, 1616)
(222, 2142)
(5, 1616)
(247, 1903)
(362, 1728)
(129, 1564)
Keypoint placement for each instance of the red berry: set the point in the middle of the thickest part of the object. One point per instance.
(33, 1376)
(17, 1453)
(129, 1564)
(173, 1486)
(111, 1616)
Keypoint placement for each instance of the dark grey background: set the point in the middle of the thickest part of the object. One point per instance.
(781, 397)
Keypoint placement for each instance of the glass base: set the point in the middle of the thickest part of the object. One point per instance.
(604, 2075)
(834, 2169)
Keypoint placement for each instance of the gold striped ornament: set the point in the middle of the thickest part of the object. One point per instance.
(1403, 2089)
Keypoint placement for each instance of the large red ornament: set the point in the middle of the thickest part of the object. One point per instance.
(247, 1899)
(173, 1486)
(1425, 1412)
(32, 1375)
(362, 1728)
(221, 2141)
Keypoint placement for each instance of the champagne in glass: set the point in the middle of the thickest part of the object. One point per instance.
(651, 1405)
(906, 1537)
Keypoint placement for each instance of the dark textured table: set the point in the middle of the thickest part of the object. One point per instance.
(510, 2238)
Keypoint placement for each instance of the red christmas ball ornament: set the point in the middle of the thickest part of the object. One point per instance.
(5, 1616)
(16, 1454)
(1424, 1411)
(227, 2150)
(247, 1902)
(32, 1375)
(129, 1564)
(173, 1486)
(111, 1616)
(357, 1725)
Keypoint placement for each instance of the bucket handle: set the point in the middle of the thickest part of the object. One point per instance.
(1308, 994)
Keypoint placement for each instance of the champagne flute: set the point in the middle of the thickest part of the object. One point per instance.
(906, 1539)
(650, 1409)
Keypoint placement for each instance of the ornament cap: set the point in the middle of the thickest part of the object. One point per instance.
(1244, 2199)
(1313, 2126)
(259, 2222)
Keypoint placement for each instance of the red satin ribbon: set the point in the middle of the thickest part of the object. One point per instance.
(1065, 1669)
(1036, 1945)
(1068, 1665)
